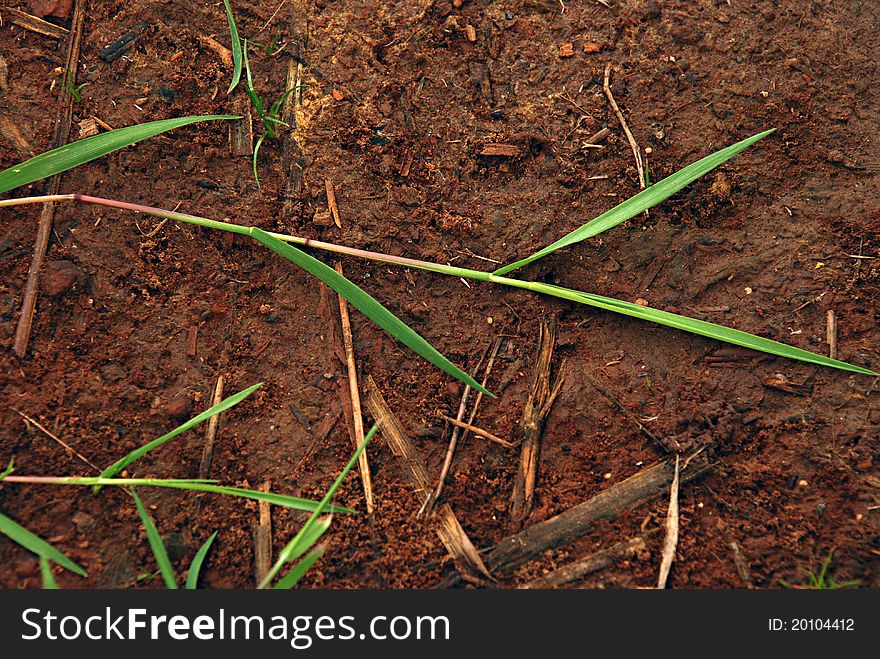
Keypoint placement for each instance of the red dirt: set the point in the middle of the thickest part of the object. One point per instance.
(795, 476)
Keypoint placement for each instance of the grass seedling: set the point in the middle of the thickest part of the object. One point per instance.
(49, 582)
(236, 48)
(34, 543)
(271, 118)
(822, 580)
(311, 532)
(74, 91)
(195, 568)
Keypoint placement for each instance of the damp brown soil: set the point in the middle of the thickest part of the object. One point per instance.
(399, 103)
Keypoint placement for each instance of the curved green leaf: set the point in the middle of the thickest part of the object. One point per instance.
(641, 202)
(367, 304)
(236, 48)
(293, 577)
(20, 535)
(49, 582)
(88, 149)
(192, 578)
(223, 405)
(156, 544)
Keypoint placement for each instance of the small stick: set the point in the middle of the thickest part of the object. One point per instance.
(211, 434)
(241, 132)
(537, 407)
(218, 49)
(450, 451)
(632, 417)
(593, 140)
(485, 434)
(579, 520)
(451, 533)
(292, 159)
(356, 413)
(671, 542)
(67, 446)
(192, 340)
(486, 374)
(331, 203)
(63, 118)
(263, 538)
(589, 564)
(35, 24)
(742, 565)
(640, 165)
(831, 333)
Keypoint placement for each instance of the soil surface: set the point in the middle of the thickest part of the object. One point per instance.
(400, 101)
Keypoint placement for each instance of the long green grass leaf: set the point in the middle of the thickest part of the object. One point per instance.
(236, 48)
(179, 484)
(192, 577)
(88, 149)
(641, 202)
(694, 326)
(223, 405)
(49, 582)
(20, 535)
(156, 544)
(293, 577)
(322, 507)
(367, 304)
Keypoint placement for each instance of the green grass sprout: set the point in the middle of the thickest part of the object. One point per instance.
(822, 580)
(195, 568)
(270, 118)
(88, 149)
(650, 196)
(34, 543)
(315, 525)
(236, 48)
(156, 544)
(223, 405)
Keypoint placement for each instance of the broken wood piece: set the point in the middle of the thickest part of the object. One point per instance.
(263, 538)
(531, 425)
(501, 150)
(331, 202)
(241, 131)
(782, 383)
(192, 340)
(357, 416)
(211, 434)
(470, 33)
(35, 24)
(577, 521)
(60, 136)
(637, 153)
(589, 564)
(218, 49)
(742, 565)
(671, 542)
(452, 535)
(407, 162)
(831, 333)
(593, 140)
(479, 432)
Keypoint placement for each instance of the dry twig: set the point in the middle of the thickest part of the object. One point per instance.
(211, 433)
(671, 542)
(637, 153)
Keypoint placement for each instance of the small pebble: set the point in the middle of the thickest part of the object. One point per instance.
(179, 407)
(59, 277)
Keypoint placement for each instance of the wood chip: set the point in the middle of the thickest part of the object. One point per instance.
(211, 433)
(331, 202)
(671, 542)
(566, 50)
(502, 150)
(218, 49)
(35, 24)
(470, 33)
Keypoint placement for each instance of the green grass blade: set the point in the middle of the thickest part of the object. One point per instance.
(192, 577)
(368, 305)
(156, 544)
(293, 577)
(700, 327)
(322, 507)
(309, 538)
(641, 202)
(88, 149)
(182, 484)
(236, 48)
(223, 405)
(20, 535)
(49, 582)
